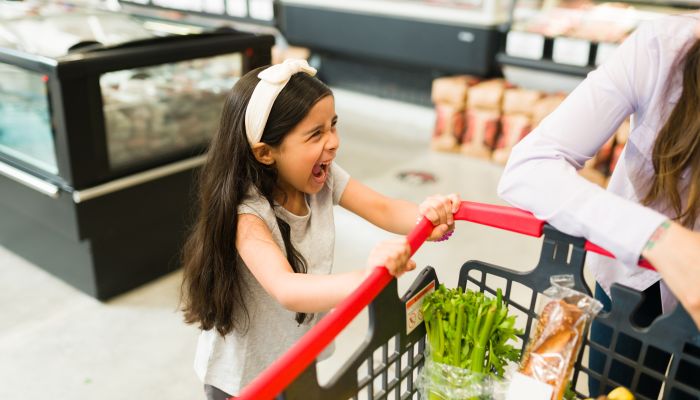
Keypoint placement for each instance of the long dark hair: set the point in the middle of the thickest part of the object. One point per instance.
(677, 148)
(212, 291)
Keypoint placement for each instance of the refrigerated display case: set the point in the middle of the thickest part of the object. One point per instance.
(402, 44)
(572, 37)
(104, 118)
(258, 12)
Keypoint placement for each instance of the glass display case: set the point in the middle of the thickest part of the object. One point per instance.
(155, 111)
(251, 11)
(25, 120)
(104, 118)
(103, 95)
(574, 36)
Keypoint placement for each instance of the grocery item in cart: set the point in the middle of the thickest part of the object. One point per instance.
(470, 342)
(557, 339)
(620, 393)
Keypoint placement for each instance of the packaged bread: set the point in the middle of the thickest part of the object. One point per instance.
(450, 97)
(481, 134)
(487, 95)
(452, 90)
(556, 340)
(449, 128)
(517, 120)
(514, 127)
(520, 101)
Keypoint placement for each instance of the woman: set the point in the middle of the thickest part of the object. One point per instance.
(652, 203)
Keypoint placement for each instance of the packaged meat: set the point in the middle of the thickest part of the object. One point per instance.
(554, 346)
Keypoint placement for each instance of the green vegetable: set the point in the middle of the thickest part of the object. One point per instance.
(469, 330)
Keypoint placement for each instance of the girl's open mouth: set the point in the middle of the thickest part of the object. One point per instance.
(321, 170)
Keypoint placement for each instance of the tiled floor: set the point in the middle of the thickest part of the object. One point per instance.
(57, 343)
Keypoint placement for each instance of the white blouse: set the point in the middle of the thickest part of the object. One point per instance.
(643, 79)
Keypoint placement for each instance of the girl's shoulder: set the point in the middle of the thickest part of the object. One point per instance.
(255, 203)
(337, 181)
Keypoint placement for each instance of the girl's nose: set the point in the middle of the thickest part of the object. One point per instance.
(333, 141)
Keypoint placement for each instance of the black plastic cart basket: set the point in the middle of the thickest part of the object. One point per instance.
(387, 363)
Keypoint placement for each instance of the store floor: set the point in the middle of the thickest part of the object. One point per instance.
(59, 344)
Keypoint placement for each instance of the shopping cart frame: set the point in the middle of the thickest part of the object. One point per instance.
(293, 376)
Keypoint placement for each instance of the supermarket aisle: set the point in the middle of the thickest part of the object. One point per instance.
(57, 342)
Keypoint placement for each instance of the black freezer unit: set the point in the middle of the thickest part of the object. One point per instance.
(104, 120)
(385, 46)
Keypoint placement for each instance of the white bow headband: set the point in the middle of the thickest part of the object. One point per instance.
(272, 81)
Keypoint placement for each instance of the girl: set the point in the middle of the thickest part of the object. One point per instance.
(652, 204)
(257, 264)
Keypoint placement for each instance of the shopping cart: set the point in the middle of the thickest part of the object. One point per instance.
(387, 363)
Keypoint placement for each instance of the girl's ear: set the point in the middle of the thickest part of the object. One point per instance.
(263, 153)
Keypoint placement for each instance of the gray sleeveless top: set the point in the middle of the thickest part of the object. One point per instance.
(231, 362)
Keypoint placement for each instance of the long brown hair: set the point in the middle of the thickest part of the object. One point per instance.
(677, 148)
(212, 291)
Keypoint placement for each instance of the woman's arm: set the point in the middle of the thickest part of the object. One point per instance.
(541, 175)
(307, 292)
(675, 252)
(399, 216)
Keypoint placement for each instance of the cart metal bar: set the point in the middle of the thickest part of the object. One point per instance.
(284, 370)
(597, 249)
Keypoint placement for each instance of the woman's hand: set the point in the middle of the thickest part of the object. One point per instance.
(394, 254)
(675, 252)
(439, 210)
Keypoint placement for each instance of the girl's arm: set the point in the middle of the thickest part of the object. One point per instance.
(399, 216)
(541, 174)
(307, 293)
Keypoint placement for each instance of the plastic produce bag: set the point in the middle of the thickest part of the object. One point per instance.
(439, 381)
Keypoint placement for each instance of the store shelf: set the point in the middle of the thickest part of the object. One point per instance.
(544, 65)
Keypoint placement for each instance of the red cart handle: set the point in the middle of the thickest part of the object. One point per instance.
(282, 372)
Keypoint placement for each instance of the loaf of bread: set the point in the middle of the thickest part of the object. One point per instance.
(514, 127)
(481, 134)
(452, 90)
(449, 128)
(487, 95)
(552, 351)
